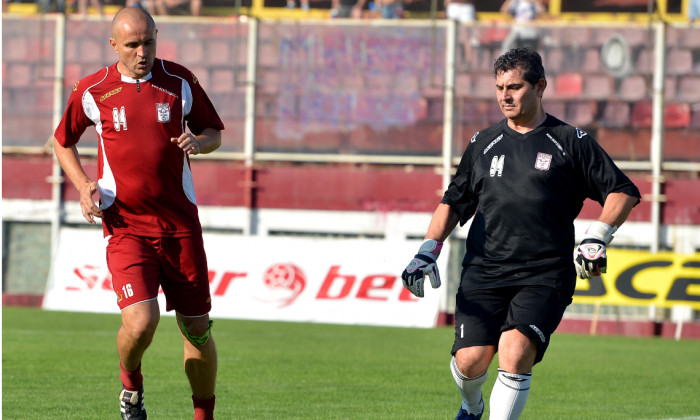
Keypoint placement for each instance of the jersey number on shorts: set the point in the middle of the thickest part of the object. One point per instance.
(119, 117)
(128, 291)
(461, 331)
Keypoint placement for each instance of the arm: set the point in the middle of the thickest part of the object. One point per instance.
(206, 142)
(505, 6)
(616, 209)
(69, 160)
(442, 224)
(358, 9)
(541, 9)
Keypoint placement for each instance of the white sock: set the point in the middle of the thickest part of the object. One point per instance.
(509, 395)
(470, 388)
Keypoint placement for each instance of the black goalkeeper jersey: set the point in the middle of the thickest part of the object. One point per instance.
(526, 190)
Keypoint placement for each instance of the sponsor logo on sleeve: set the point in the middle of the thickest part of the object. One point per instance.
(110, 93)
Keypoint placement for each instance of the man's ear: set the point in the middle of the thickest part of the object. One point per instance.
(540, 87)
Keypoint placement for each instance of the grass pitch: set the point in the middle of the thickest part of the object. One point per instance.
(58, 365)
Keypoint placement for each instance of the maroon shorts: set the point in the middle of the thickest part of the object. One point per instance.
(141, 265)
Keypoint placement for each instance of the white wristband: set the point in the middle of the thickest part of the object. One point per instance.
(602, 231)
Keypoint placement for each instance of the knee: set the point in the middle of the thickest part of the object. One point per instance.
(141, 328)
(473, 361)
(516, 352)
(197, 331)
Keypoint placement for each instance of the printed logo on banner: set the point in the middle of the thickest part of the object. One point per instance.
(92, 275)
(284, 283)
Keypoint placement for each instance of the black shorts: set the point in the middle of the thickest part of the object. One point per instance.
(482, 315)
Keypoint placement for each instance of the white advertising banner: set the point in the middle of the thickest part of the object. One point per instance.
(342, 281)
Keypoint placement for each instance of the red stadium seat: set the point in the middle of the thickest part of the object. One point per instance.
(597, 87)
(591, 60)
(633, 88)
(689, 88)
(691, 37)
(676, 116)
(641, 114)
(484, 86)
(695, 120)
(568, 85)
(615, 115)
(679, 61)
(581, 114)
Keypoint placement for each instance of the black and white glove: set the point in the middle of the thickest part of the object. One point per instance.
(590, 257)
(423, 264)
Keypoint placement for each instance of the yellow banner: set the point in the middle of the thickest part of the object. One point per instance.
(640, 278)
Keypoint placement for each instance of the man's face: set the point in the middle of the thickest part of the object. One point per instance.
(519, 100)
(135, 42)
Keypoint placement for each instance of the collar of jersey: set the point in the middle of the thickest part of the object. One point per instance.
(537, 129)
(127, 79)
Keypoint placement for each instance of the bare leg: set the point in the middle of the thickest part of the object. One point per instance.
(139, 324)
(195, 7)
(200, 361)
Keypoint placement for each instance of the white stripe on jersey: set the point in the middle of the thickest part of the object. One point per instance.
(186, 95)
(106, 185)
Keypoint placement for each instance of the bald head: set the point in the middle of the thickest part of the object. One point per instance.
(134, 40)
(131, 16)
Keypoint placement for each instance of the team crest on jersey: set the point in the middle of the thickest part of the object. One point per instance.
(474, 137)
(580, 133)
(163, 112)
(543, 161)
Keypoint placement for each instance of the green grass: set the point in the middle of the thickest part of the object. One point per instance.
(58, 365)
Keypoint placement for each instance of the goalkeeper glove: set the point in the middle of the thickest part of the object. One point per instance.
(590, 256)
(423, 264)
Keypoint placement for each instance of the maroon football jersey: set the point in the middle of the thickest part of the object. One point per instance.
(144, 180)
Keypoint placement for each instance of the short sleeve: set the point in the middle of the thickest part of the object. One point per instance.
(600, 174)
(460, 195)
(202, 113)
(74, 121)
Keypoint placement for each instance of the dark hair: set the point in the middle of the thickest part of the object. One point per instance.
(526, 58)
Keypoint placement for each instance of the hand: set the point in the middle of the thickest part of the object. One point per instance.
(188, 143)
(87, 204)
(590, 258)
(423, 264)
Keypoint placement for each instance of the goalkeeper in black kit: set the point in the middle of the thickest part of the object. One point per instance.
(524, 181)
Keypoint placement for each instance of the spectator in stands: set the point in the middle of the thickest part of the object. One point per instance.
(45, 6)
(347, 8)
(168, 7)
(291, 4)
(390, 9)
(150, 115)
(693, 10)
(83, 6)
(463, 11)
(521, 182)
(523, 12)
